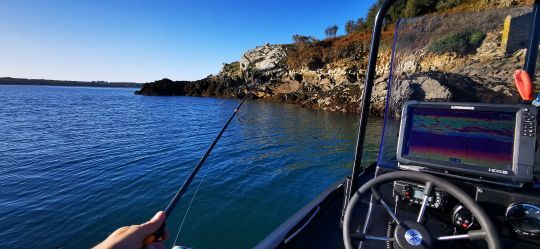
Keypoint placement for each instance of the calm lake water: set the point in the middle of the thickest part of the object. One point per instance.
(76, 163)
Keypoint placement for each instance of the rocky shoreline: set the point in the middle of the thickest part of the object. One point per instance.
(484, 74)
(339, 89)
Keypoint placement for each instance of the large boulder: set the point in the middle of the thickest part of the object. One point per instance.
(311, 77)
(287, 86)
(421, 87)
(267, 61)
(342, 75)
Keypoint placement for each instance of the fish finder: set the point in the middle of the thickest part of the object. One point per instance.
(495, 141)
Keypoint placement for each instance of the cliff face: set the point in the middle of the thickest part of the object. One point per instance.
(482, 72)
(333, 87)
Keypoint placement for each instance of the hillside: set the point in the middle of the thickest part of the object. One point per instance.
(43, 82)
(328, 74)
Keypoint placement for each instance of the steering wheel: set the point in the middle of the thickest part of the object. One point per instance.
(413, 234)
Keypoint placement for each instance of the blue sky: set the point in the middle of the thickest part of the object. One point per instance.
(142, 41)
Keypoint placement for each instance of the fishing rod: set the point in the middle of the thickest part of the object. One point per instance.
(158, 235)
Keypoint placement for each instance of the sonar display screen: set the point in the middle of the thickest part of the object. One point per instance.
(477, 138)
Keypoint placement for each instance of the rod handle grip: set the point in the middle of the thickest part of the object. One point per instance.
(156, 236)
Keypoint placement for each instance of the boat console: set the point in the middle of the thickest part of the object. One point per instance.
(488, 149)
(456, 164)
(465, 173)
(491, 142)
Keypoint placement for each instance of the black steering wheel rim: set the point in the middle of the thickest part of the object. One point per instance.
(489, 231)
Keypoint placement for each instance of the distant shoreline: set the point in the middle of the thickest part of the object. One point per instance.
(44, 82)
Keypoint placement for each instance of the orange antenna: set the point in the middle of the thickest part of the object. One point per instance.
(524, 85)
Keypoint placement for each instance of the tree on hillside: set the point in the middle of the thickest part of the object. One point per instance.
(350, 27)
(394, 13)
(331, 31)
(303, 39)
(361, 24)
(419, 7)
(372, 13)
(300, 38)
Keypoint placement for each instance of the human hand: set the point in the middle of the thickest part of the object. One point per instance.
(131, 237)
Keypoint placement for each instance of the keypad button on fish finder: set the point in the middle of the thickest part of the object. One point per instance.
(528, 127)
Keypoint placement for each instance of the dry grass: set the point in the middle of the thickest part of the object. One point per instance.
(352, 48)
(479, 5)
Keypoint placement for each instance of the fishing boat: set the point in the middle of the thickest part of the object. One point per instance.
(458, 171)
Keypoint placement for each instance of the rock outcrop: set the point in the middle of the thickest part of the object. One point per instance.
(265, 61)
(339, 88)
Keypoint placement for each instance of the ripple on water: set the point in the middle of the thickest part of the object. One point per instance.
(79, 162)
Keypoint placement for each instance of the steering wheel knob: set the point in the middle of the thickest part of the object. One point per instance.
(411, 235)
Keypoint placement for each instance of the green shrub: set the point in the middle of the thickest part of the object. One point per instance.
(465, 42)
(419, 7)
(233, 66)
(442, 5)
(476, 38)
(394, 13)
(299, 39)
(232, 69)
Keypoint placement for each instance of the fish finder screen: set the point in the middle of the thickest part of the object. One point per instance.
(477, 138)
